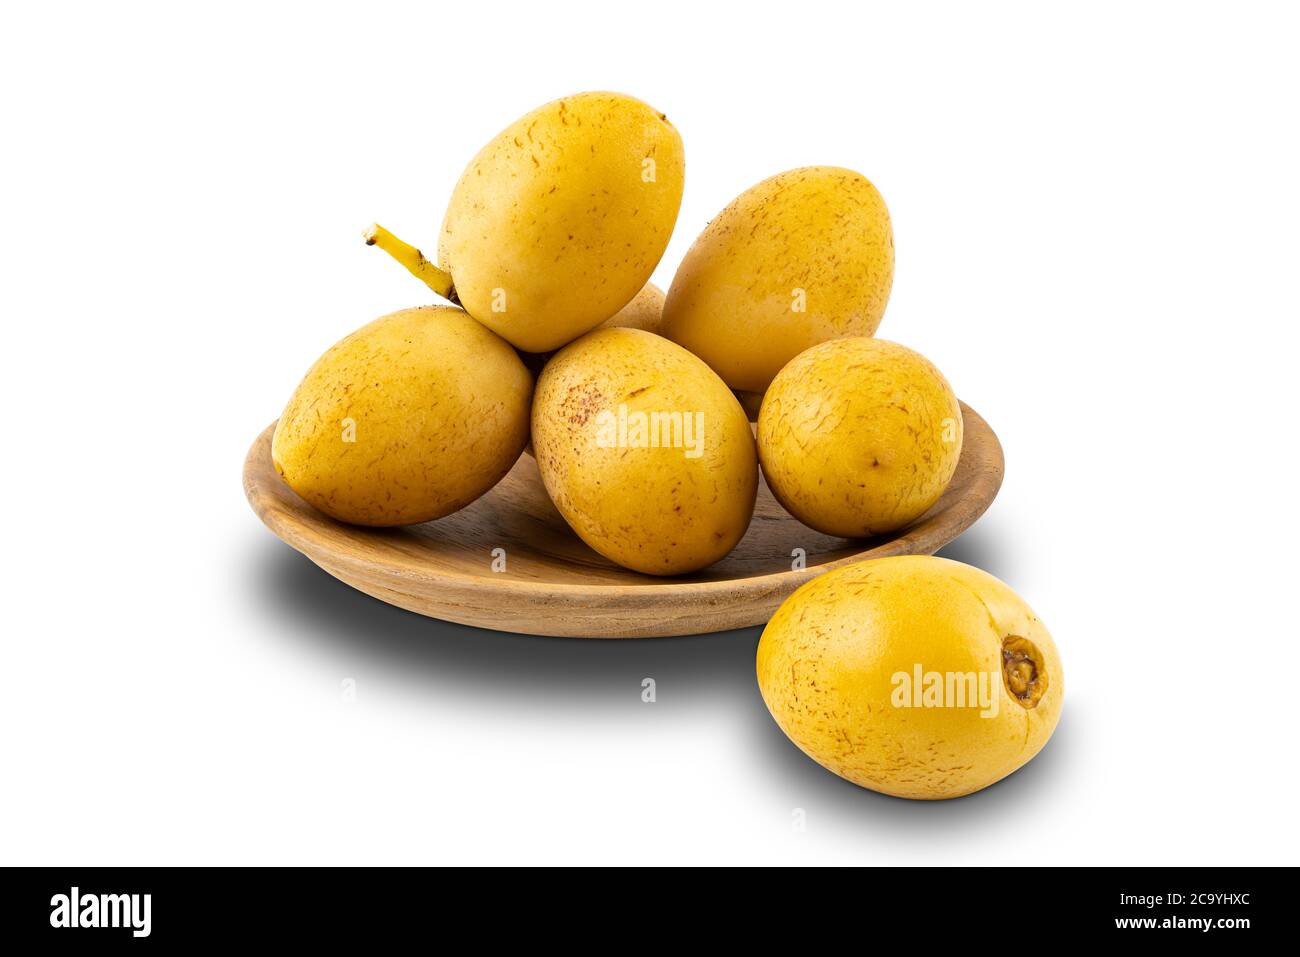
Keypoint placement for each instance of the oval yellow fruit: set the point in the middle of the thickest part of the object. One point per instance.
(803, 257)
(560, 220)
(859, 436)
(645, 452)
(407, 419)
(913, 676)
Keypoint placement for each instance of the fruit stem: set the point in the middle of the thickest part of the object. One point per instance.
(413, 260)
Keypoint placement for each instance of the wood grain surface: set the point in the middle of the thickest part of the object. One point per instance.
(553, 584)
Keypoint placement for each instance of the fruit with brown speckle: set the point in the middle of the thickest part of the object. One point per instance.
(407, 419)
(645, 452)
(914, 676)
(559, 221)
(859, 437)
(805, 256)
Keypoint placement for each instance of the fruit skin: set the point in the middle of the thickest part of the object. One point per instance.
(821, 229)
(645, 311)
(828, 657)
(440, 407)
(859, 437)
(555, 212)
(653, 510)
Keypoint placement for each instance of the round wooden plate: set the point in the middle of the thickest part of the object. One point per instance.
(553, 584)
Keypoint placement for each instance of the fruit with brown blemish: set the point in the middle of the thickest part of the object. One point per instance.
(407, 419)
(559, 221)
(644, 450)
(914, 676)
(802, 257)
(859, 437)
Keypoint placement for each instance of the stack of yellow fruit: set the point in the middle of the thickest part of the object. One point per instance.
(636, 407)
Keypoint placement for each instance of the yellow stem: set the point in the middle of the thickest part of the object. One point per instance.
(413, 260)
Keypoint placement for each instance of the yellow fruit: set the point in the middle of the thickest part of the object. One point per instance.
(645, 452)
(913, 676)
(408, 419)
(859, 436)
(803, 257)
(559, 221)
(645, 311)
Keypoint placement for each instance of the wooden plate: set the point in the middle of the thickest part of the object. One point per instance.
(553, 584)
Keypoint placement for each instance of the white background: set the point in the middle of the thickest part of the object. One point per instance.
(1097, 218)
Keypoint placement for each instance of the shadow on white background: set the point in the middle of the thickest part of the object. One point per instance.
(522, 674)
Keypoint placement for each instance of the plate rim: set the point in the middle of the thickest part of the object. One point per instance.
(302, 537)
